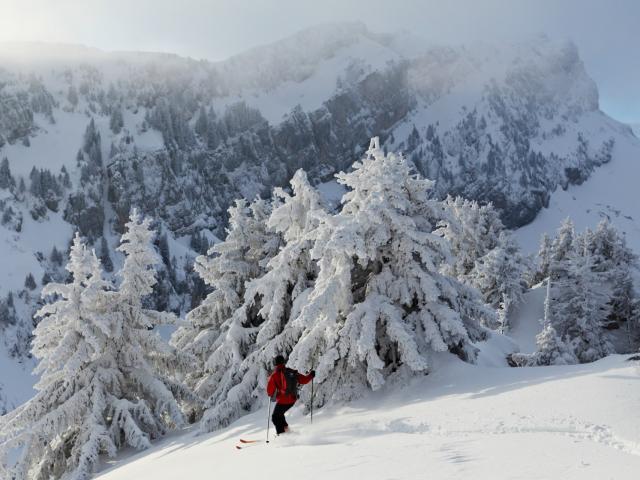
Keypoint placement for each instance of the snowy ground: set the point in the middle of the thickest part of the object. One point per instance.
(462, 421)
(526, 319)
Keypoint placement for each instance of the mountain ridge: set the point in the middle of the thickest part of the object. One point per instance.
(181, 138)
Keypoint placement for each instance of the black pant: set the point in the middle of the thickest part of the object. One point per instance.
(278, 417)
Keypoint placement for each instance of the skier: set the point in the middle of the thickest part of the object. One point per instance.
(283, 383)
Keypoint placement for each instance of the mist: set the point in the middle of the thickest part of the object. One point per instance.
(605, 32)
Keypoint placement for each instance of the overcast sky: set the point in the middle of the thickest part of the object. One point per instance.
(607, 32)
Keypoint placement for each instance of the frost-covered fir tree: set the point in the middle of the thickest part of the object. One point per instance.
(575, 308)
(561, 247)
(227, 267)
(550, 348)
(375, 304)
(500, 277)
(106, 374)
(380, 304)
(472, 231)
(577, 305)
(616, 260)
(543, 259)
(150, 364)
(484, 255)
(580, 306)
(252, 335)
(62, 430)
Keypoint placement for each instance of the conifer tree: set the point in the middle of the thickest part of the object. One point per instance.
(6, 179)
(105, 257)
(227, 267)
(374, 305)
(543, 258)
(500, 277)
(107, 377)
(202, 125)
(248, 339)
(472, 231)
(116, 122)
(562, 245)
(62, 430)
(153, 361)
(580, 306)
(484, 255)
(380, 297)
(612, 257)
(30, 282)
(578, 301)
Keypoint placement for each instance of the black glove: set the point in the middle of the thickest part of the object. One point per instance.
(312, 373)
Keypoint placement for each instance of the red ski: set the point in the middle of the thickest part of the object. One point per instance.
(246, 443)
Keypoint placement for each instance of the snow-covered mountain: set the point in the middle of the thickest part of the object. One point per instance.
(88, 134)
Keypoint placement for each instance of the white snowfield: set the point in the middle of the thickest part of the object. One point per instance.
(463, 421)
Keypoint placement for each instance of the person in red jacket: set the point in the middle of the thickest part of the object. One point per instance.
(285, 397)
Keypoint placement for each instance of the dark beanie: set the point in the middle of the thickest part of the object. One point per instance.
(279, 360)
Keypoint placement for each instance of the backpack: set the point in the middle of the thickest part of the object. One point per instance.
(290, 382)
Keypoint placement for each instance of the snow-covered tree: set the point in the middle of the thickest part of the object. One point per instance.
(550, 348)
(484, 255)
(472, 231)
(563, 244)
(228, 266)
(580, 307)
(578, 302)
(62, 430)
(106, 376)
(543, 259)
(149, 362)
(575, 307)
(613, 257)
(500, 277)
(6, 179)
(238, 366)
(375, 304)
(380, 304)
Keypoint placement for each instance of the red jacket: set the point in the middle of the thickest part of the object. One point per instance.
(277, 383)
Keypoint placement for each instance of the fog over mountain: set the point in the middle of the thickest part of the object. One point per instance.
(606, 34)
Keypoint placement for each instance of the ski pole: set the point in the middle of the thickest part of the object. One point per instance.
(312, 400)
(268, 418)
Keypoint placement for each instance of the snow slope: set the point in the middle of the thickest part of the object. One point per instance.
(463, 421)
(16, 382)
(526, 319)
(611, 192)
